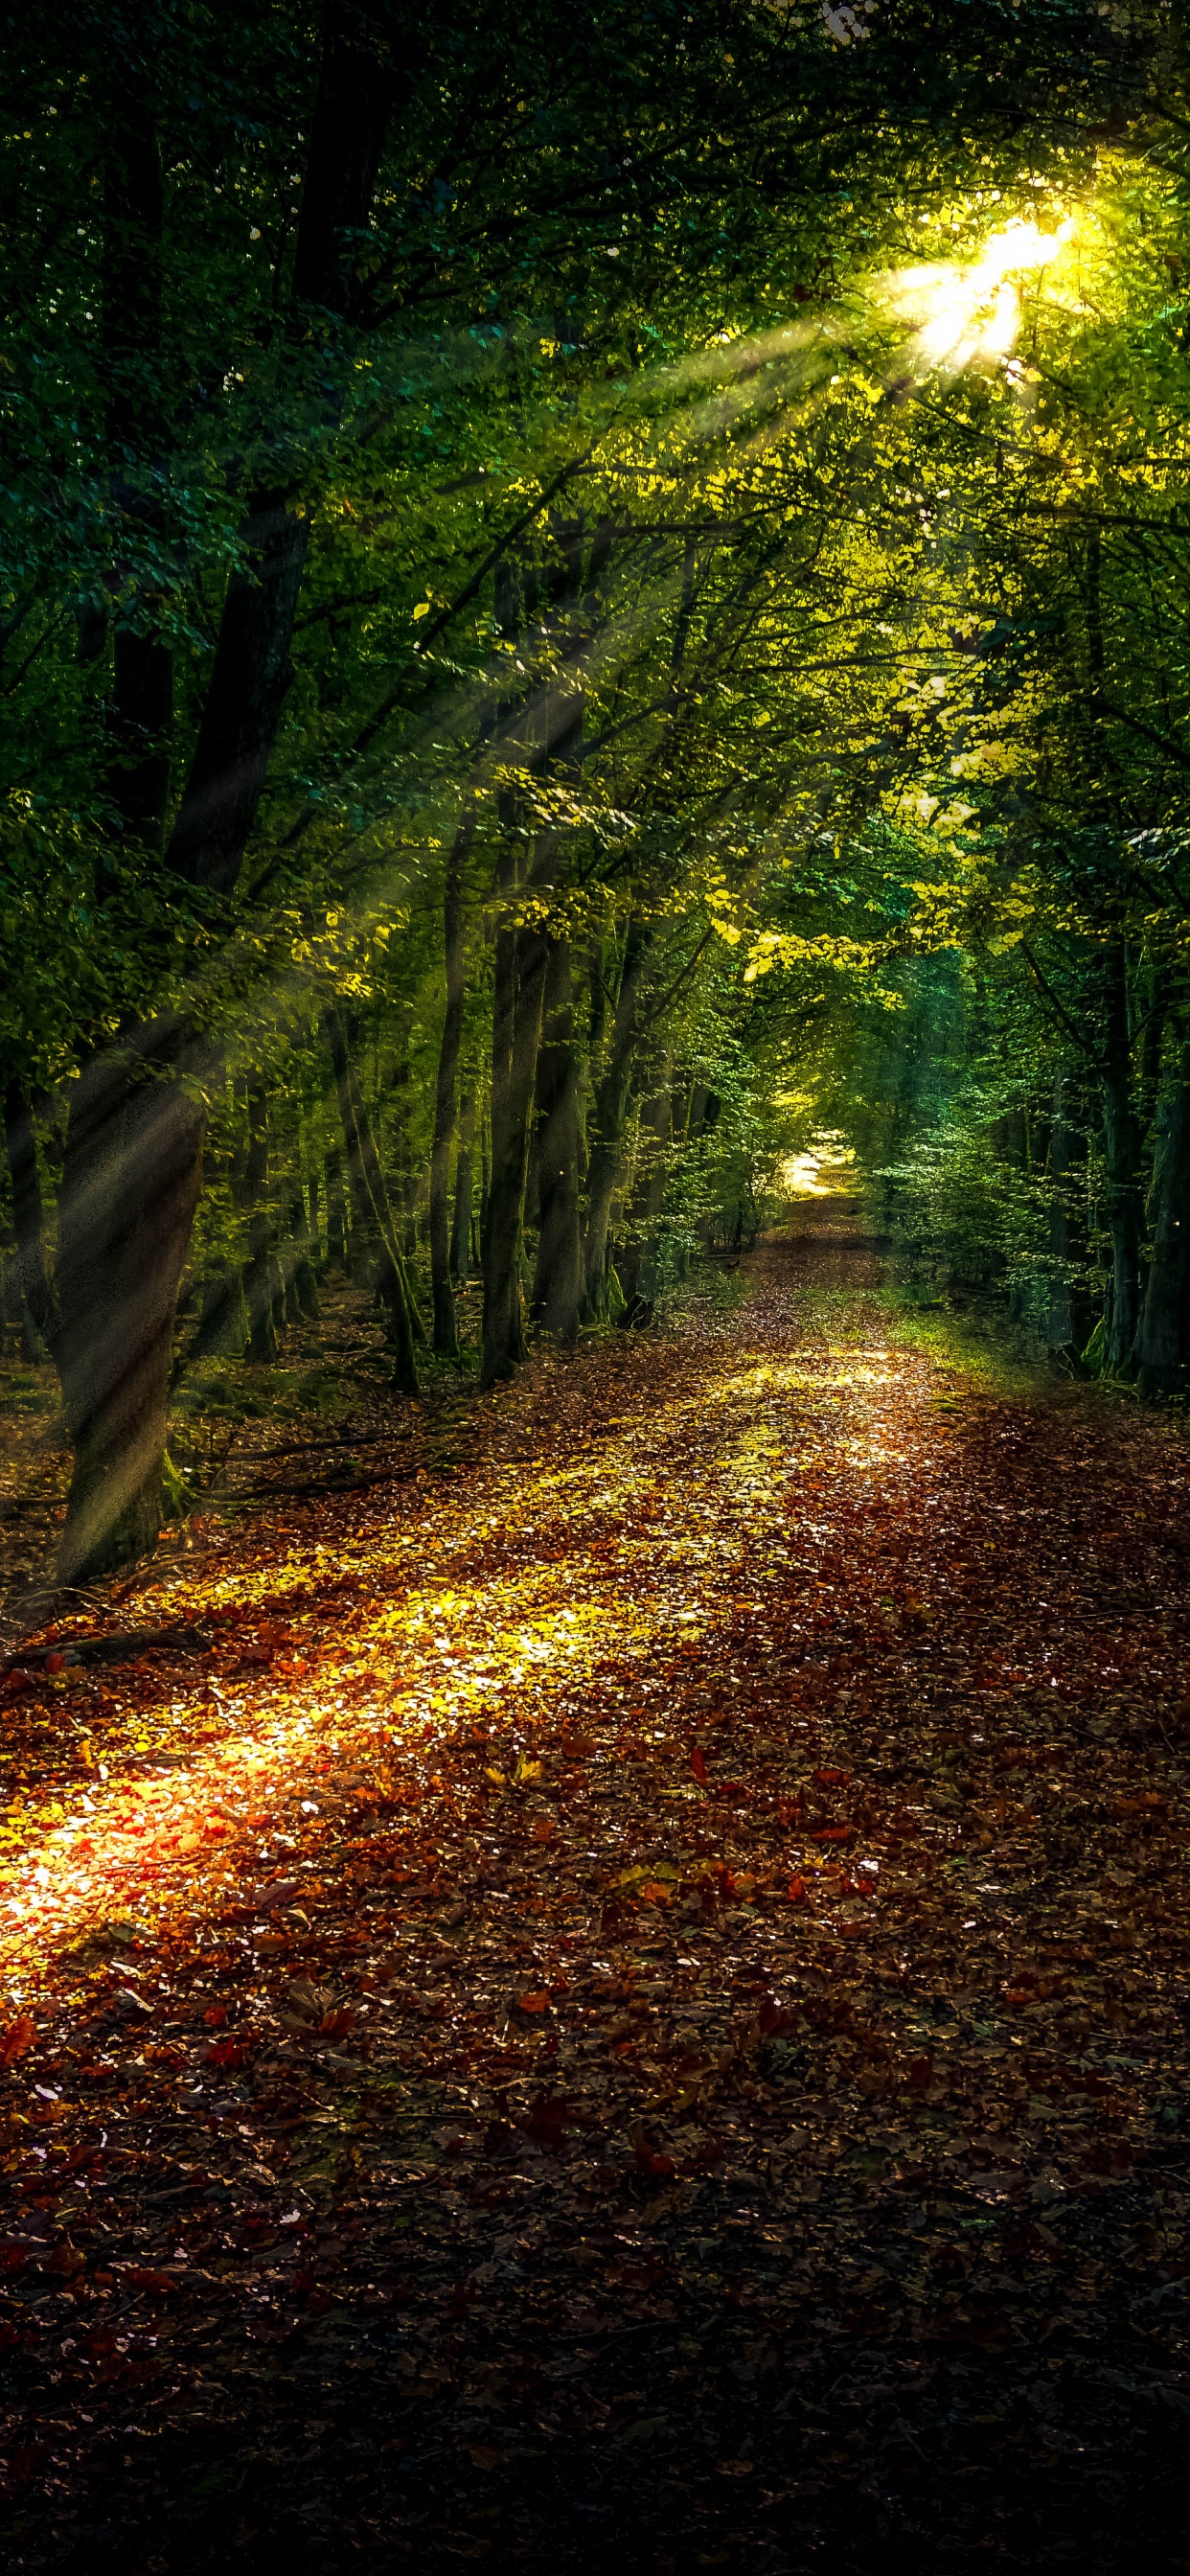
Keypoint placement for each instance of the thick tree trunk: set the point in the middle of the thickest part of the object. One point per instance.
(1123, 1194)
(245, 695)
(125, 1209)
(464, 1193)
(558, 1281)
(142, 1195)
(370, 1197)
(359, 79)
(609, 1119)
(446, 1340)
(1164, 1348)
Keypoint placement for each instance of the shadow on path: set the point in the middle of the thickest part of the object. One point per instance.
(629, 2009)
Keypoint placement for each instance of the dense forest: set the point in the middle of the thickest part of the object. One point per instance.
(594, 1286)
(585, 597)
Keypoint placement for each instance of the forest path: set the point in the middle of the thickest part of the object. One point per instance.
(629, 2000)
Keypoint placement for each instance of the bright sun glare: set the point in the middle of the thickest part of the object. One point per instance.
(962, 314)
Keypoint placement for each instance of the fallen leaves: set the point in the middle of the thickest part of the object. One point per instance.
(511, 1993)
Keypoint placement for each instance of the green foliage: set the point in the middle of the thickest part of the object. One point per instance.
(710, 373)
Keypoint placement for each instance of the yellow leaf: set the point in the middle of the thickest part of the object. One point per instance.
(423, 608)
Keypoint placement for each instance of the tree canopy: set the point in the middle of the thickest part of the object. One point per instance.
(585, 598)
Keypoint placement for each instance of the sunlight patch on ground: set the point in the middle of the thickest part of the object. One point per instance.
(365, 1683)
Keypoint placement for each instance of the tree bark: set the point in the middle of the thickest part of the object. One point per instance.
(464, 1193)
(358, 82)
(1123, 1197)
(28, 1216)
(446, 1340)
(140, 711)
(558, 1282)
(262, 1276)
(516, 1030)
(302, 1249)
(609, 1118)
(366, 1179)
(245, 695)
(223, 1326)
(558, 1279)
(549, 736)
(1164, 1348)
(638, 1262)
(1069, 1319)
(125, 1209)
(336, 1209)
(133, 1132)
(503, 1331)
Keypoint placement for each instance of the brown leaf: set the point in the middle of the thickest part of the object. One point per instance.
(19, 2036)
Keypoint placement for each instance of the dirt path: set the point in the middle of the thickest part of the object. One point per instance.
(624, 2003)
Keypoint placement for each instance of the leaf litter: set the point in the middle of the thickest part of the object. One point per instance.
(630, 2001)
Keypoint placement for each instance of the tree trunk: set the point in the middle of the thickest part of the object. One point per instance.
(245, 695)
(558, 1281)
(638, 1263)
(28, 1216)
(336, 1208)
(404, 1175)
(1164, 1348)
(371, 1199)
(223, 1325)
(1069, 1318)
(446, 1340)
(485, 1188)
(551, 735)
(609, 1118)
(137, 1132)
(358, 82)
(125, 1209)
(503, 1332)
(1123, 1197)
(262, 1275)
(140, 710)
(460, 1233)
(303, 1279)
(516, 1031)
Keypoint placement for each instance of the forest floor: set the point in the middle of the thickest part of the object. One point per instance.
(620, 2000)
